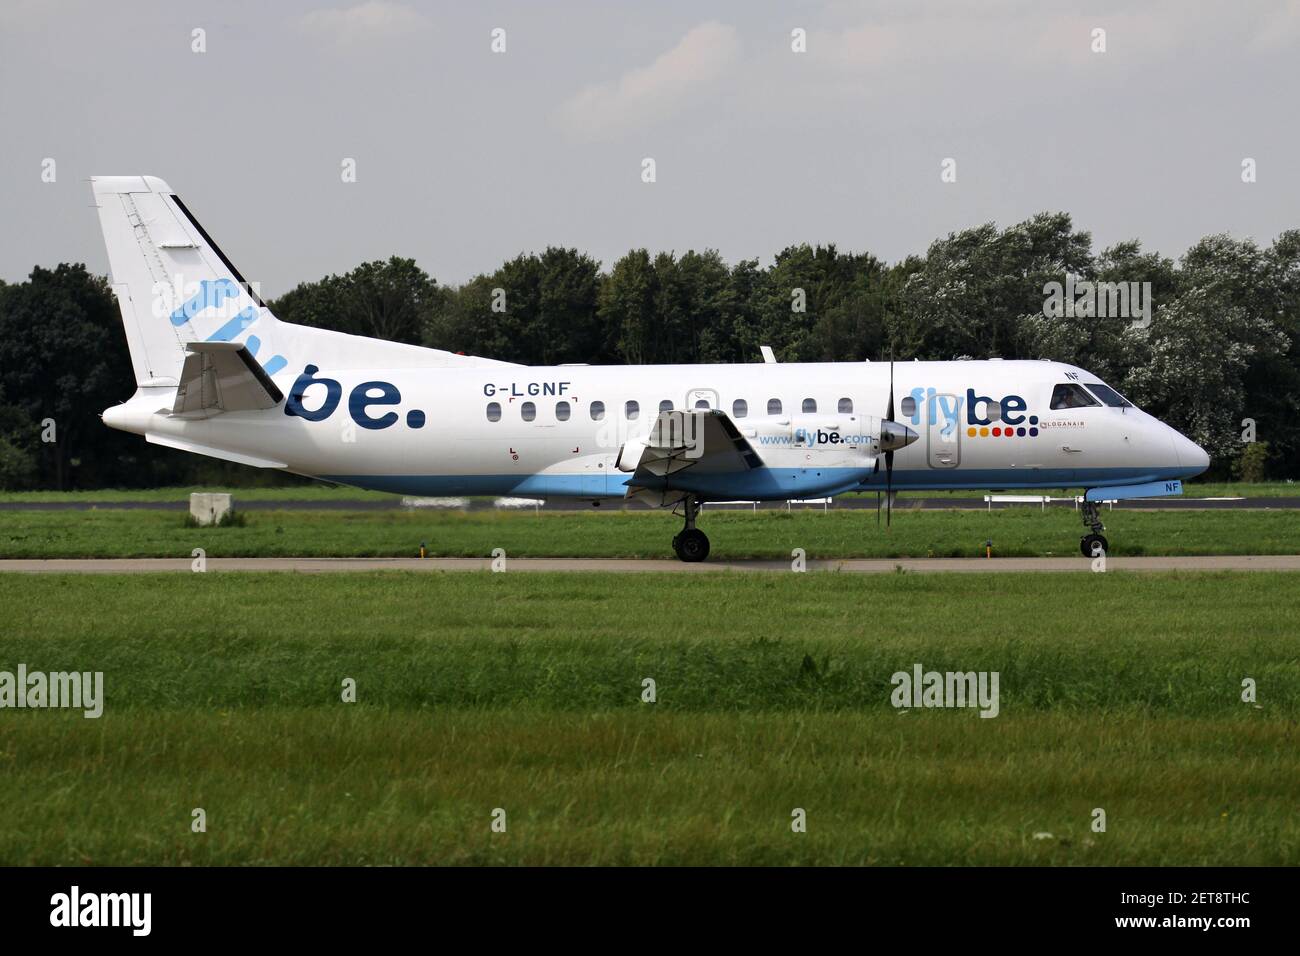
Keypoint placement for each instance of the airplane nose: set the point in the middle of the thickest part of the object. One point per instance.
(1190, 455)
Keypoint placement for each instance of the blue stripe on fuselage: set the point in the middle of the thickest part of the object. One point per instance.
(762, 483)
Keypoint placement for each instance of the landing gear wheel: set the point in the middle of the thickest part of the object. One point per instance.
(1089, 543)
(1090, 512)
(691, 545)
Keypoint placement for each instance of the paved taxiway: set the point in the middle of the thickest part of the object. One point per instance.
(1245, 562)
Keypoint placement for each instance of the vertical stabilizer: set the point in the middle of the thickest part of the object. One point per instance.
(173, 284)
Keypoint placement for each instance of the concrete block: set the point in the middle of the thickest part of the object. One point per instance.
(209, 508)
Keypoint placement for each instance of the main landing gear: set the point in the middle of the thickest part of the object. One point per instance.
(1094, 544)
(692, 544)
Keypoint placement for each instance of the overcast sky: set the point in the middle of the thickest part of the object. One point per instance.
(465, 157)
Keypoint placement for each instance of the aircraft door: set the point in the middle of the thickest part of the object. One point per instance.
(943, 431)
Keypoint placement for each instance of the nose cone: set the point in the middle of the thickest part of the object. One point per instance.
(894, 436)
(1191, 456)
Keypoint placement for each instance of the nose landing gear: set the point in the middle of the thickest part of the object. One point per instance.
(692, 544)
(1094, 544)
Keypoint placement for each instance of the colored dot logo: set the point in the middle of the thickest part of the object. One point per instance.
(1005, 431)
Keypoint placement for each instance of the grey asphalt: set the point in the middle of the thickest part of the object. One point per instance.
(903, 503)
(1286, 562)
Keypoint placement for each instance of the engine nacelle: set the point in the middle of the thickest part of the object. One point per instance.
(829, 441)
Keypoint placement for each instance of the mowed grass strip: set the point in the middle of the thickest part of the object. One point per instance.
(648, 787)
(524, 692)
(1015, 532)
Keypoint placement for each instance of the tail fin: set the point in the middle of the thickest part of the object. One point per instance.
(173, 284)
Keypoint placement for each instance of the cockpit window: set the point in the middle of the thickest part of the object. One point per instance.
(1070, 395)
(1108, 395)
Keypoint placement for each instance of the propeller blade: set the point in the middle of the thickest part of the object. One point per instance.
(889, 455)
(889, 411)
(889, 488)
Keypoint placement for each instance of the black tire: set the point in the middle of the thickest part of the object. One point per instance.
(1089, 542)
(691, 545)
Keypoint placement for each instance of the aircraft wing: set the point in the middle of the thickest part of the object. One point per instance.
(705, 440)
(223, 377)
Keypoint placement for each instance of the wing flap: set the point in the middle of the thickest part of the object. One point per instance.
(705, 440)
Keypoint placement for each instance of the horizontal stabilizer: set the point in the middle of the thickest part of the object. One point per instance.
(223, 377)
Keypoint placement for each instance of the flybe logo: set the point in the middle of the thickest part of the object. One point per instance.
(364, 401)
(815, 436)
(984, 416)
(213, 294)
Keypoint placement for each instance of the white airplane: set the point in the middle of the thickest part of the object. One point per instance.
(217, 374)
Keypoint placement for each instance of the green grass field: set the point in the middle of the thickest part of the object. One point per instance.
(1017, 531)
(523, 692)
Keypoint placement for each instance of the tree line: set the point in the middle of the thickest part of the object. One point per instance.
(1209, 343)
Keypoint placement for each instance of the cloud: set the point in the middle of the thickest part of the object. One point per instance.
(1280, 30)
(1032, 39)
(372, 20)
(868, 35)
(653, 92)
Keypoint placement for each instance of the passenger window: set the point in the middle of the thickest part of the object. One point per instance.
(909, 407)
(846, 406)
(810, 406)
(632, 410)
(1070, 395)
(701, 403)
(597, 411)
(494, 411)
(739, 408)
(774, 406)
(665, 406)
(562, 411)
(528, 410)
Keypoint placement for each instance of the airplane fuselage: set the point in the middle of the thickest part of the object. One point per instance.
(558, 431)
